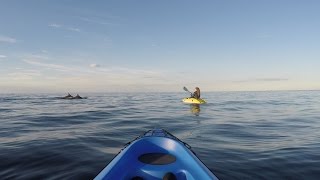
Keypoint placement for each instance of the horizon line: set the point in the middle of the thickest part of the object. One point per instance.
(217, 91)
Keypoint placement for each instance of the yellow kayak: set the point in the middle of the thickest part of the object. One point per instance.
(193, 100)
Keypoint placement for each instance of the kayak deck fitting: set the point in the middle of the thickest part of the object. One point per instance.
(154, 155)
(191, 100)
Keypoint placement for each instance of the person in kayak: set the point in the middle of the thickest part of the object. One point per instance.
(196, 93)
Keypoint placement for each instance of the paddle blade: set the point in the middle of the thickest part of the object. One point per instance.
(184, 88)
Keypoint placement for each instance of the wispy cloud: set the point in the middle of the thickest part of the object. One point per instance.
(24, 74)
(7, 39)
(272, 79)
(2, 56)
(128, 71)
(37, 56)
(43, 62)
(94, 65)
(95, 21)
(262, 80)
(64, 27)
(73, 29)
(92, 74)
(48, 65)
(55, 25)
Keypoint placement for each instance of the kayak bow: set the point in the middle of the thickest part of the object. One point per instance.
(154, 155)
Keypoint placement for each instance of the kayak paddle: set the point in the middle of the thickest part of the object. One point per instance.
(184, 88)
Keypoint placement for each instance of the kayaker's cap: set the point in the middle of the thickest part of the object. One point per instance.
(197, 88)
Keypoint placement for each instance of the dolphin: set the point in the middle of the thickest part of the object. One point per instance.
(68, 96)
(77, 97)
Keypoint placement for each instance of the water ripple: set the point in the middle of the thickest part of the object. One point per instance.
(238, 135)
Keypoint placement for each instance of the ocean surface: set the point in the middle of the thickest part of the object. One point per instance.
(238, 135)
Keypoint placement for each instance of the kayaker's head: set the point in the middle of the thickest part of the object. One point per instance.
(198, 91)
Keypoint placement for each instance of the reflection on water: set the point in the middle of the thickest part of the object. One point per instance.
(195, 109)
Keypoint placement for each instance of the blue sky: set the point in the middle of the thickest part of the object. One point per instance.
(145, 45)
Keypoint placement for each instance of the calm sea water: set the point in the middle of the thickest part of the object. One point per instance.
(238, 135)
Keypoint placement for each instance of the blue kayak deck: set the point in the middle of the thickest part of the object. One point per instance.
(152, 156)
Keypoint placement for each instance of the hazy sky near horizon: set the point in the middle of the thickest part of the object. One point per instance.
(145, 45)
